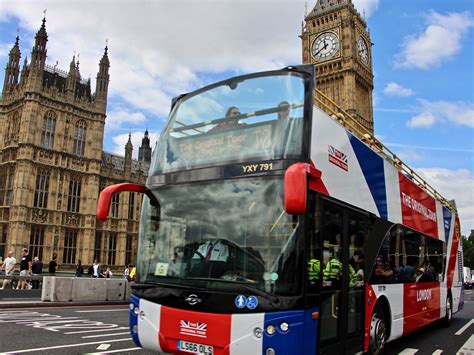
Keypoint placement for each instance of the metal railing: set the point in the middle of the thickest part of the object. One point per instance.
(350, 122)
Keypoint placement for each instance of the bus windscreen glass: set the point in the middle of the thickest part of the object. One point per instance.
(220, 235)
(257, 118)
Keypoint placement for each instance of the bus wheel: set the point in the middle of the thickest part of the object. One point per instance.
(378, 331)
(449, 312)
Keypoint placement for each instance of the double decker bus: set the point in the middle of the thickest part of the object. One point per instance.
(273, 225)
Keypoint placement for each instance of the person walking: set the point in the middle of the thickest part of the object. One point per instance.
(79, 269)
(9, 266)
(25, 268)
(96, 269)
(37, 269)
(53, 265)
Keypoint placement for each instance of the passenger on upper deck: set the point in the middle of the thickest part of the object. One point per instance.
(230, 123)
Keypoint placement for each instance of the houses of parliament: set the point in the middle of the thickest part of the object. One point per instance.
(53, 166)
(52, 162)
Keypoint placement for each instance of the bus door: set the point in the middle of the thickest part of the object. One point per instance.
(342, 240)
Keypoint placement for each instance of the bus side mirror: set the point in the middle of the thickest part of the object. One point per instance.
(296, 187)
(106, 196)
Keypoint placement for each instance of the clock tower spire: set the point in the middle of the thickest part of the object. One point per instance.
(336, 40)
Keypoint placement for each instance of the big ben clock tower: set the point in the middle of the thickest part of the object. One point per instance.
(336, 40)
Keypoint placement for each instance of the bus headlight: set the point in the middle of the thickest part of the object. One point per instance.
(271, 329)
(130, 306)
(135, 328)
(270, 351)
(136, 310)
(284, 327)
(258, 332)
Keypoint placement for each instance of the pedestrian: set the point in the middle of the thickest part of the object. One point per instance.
(96, 269)
(126, 272)
(107, 274)
(133, 271)
(25, 269)
(37, 269)
(53, 265)
(9, 266)
(79, 269)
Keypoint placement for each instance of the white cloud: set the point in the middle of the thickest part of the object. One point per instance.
(440, 40)
(367, 6)
(159, 49)
(457, 185)
(136, 137)
(459, 113)
(394, 89)
(119, 115)
(410, 156)
(424, 119)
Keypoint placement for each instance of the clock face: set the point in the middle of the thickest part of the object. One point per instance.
(362, 50)
(325, 46)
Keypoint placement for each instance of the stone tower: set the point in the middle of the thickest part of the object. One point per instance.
(336, 40)
(144, 152)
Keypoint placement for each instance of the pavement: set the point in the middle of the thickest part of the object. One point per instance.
(32, 298)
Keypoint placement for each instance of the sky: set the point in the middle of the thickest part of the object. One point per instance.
(423, 62)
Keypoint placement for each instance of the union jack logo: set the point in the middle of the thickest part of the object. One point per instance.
(192, 325)
(337, 158)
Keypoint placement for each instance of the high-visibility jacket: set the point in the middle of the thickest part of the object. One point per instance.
(314, 268)
(333, 270)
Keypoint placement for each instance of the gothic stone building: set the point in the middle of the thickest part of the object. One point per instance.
(52, 166)
(336, 40)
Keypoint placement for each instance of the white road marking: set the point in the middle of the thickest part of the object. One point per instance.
(120, 350)
(437, 352)
(103, 347)
(96, 330)
(104, 335)
(66, 346)
(408, 351)
(103, 310)
(460, 331)
(468, 347)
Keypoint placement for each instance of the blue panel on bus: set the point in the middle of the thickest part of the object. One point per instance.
(447, 215)
(300, 338)
(133, 319)
(373, 169)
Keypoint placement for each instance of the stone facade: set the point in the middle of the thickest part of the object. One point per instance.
(336, 40)
(52, 165)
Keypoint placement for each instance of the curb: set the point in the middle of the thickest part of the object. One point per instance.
(40, 304)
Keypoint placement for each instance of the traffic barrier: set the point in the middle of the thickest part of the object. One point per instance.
(46, 289)
(85, 289)
(61, 289)
(115, 289)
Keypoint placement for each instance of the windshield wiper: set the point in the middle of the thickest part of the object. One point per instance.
(242, 284)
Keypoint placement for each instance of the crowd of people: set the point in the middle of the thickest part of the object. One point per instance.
(28, 266)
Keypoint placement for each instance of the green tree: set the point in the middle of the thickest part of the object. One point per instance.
(468, 250)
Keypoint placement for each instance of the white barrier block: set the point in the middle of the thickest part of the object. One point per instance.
(89, 289)
(116, 289)
(47, 288)
(61, 289)
(128, 291)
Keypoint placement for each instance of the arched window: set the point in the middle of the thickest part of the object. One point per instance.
(74, 195)
(79, 138)
(47, 132)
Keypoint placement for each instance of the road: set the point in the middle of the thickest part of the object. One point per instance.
(104, 329)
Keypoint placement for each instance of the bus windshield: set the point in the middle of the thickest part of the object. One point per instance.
(237, 120)
(214, 234)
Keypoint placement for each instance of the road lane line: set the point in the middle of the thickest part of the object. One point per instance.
(408, 351)
(460, 331)
(103, 347)
(67, 346)
(120, 350)
(104, 335)
(468, 347)
(97, 330)
(437, 352)
(103, 310)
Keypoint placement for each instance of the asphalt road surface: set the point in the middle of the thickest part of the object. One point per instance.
(78, 330)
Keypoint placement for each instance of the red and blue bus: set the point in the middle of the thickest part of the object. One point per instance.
(270, 226)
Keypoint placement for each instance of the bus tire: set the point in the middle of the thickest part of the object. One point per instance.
(449, 312)
(378, 331)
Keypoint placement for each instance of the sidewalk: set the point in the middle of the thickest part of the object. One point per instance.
(32, 298)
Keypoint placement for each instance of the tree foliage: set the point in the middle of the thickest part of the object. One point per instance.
(468, 250)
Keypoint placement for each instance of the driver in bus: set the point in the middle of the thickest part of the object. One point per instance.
(212, 250)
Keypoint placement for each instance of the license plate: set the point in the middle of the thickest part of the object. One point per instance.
(195, 348)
